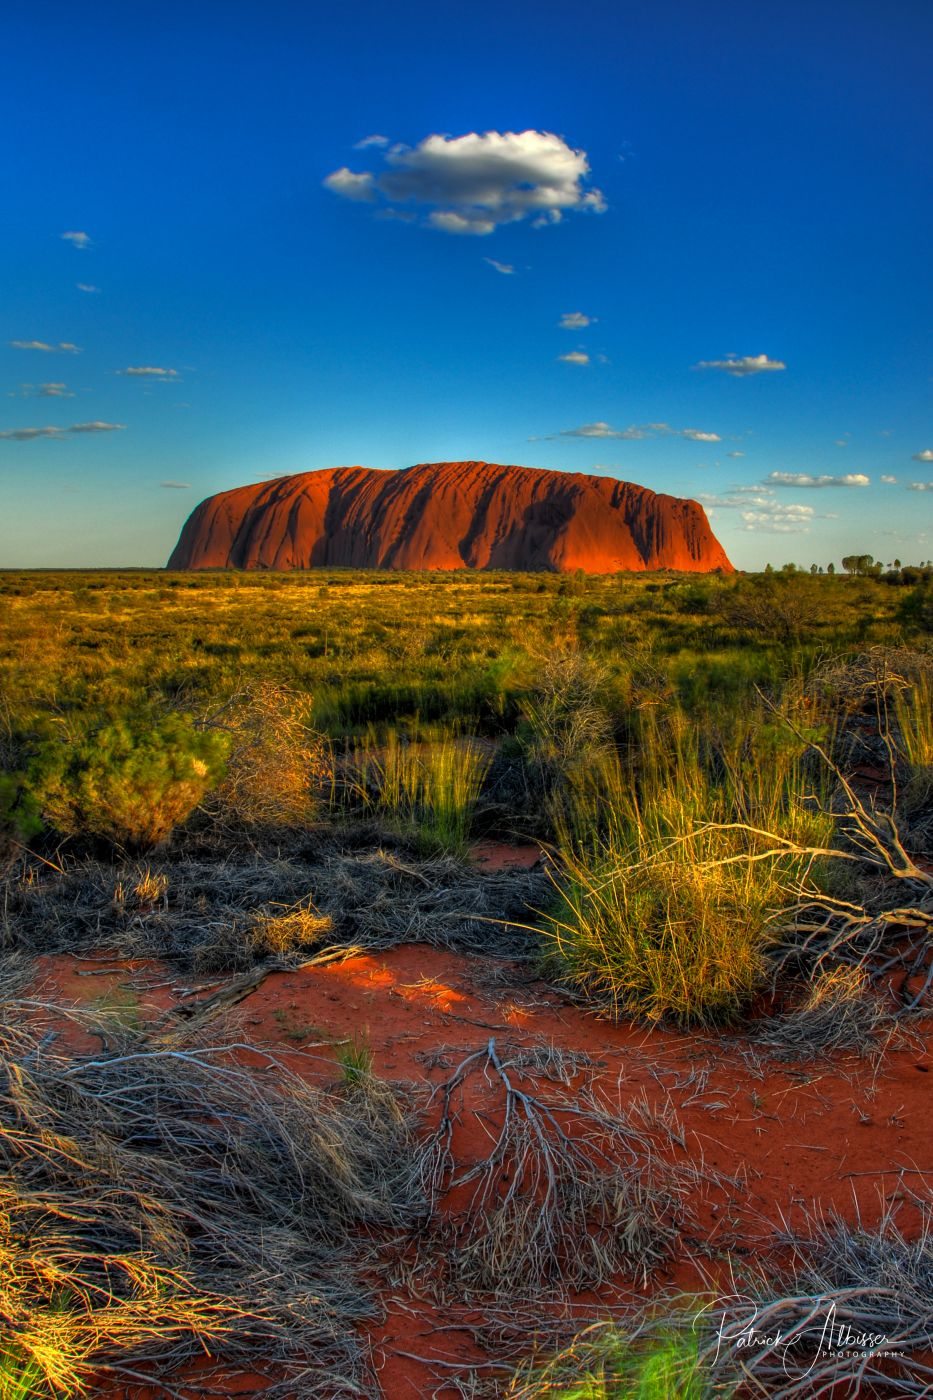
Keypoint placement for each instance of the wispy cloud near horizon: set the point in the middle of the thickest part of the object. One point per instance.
(64, 347)
(634, 433)
(53, 390)
(30, 434)
(805, 479)
(149, 372)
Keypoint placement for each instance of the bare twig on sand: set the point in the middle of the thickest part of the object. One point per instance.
(568, 1194)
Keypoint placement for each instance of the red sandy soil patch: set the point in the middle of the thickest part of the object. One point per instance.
(841, 1132)
(501, 855)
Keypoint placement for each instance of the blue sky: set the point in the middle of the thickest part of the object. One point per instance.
(745, 188)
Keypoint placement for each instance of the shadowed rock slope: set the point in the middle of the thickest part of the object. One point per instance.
(447, 515)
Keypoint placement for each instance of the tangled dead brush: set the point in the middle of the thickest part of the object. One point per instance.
(277, 761)
(219, 915)
(848, 1316)
(840, 1011)
(161, 1200)
(569, 1193)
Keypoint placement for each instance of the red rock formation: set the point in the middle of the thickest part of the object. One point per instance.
(448, 515)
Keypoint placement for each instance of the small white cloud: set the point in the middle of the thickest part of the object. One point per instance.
(63, 347)
(452, 221)
(636, 431)
(889, 480)
(44, 391)
(29, 434)
(925, 456)
(473, 184)
(920, 486)
(507, 269)
(149, 372)
(351, 185)
(77, 239)
(86, 287)
(779, 519)
(176, 485)
(601, 430)
(743, 364)
(805, 479)
(841, 442)
(575, 321)
(735, 454)
(365, 144)
(575, 357)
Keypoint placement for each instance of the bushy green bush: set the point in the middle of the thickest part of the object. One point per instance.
(127, 779)
(19, 814)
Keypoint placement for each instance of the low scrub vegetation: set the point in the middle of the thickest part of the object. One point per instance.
(673, 870)
(729, 781)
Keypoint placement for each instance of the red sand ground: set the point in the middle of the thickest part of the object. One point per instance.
(843, 1132)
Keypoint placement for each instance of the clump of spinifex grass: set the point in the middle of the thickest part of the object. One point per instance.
(914, 711)
(671, 871)
(428, 789)
(161, 1202)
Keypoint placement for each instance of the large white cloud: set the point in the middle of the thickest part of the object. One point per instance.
(743, 364)
(805, 479)
(474, 183)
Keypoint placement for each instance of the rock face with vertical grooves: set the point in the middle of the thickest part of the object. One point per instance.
(448, 515)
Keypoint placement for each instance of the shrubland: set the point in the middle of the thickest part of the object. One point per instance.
(729, 779)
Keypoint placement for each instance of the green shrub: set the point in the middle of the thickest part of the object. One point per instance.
(129, 780)
(19, 814)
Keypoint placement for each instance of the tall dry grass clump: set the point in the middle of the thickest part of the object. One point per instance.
(913, 708)
(427, 788)
(277, 762)
(671, 872)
